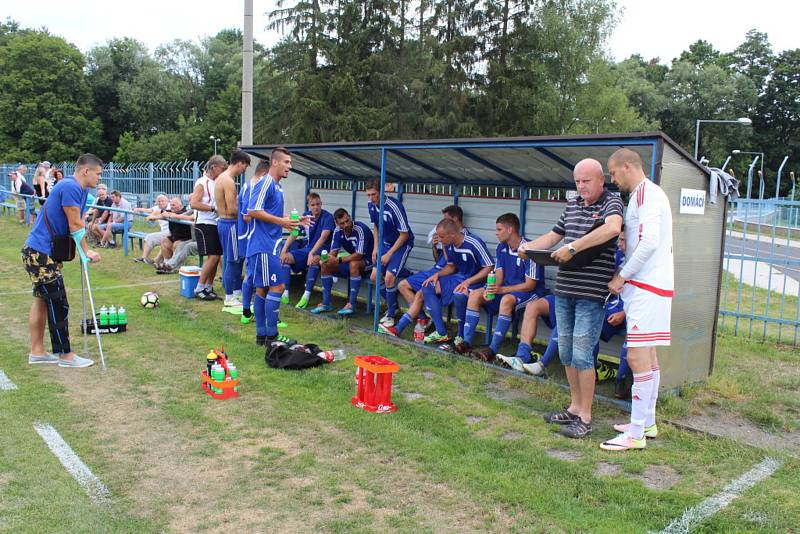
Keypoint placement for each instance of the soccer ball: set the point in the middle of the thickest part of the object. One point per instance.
(149, 300)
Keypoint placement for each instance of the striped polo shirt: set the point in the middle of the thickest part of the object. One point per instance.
(591, 281)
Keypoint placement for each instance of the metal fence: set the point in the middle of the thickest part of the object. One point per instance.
(760, 294)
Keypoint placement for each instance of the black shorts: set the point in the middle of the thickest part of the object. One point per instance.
(41, 268)
(207, 238)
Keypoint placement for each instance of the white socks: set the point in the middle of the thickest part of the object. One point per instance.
(641, 394)
(650, 414)
(306, 294)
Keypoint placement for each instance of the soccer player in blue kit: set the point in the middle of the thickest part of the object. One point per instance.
(263, 255)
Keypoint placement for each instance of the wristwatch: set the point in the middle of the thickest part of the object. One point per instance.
(571, 249)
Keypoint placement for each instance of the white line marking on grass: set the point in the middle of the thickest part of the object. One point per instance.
(73, 290)
(94, 488)
(693, 516)
(5, 383)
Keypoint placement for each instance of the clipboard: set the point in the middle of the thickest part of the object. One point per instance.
(539, 256)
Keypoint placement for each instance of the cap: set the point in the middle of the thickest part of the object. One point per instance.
(46, 163)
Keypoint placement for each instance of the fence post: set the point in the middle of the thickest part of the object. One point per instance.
(150, 169)
(110, 177)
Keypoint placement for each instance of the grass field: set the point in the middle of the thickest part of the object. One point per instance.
(467, 450)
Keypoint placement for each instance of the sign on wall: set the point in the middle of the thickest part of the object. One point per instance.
(693, 201)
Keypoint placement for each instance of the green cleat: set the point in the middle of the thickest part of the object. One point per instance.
(284, 299)
(281, 324)
(302, 303)
(246, 320)
(435, 337)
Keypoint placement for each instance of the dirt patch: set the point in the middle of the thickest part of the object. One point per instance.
(607, 469)
(659, 477)
(429, 375)
(456, 381)
(410, 396)
(505, 394)
(512, 435)
(737, 428)
(569, 456)
(474, 419)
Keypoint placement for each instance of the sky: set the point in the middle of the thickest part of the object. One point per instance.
(652, 29)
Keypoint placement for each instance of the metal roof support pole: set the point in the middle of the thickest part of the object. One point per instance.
(653, 159)
(456, 193)
(354, 189)
(400, 191)
(378, 264)
(308, 190)
(523, 208)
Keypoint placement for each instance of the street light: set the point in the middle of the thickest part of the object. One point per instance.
(744, 121)
(215, 139)
(761, 172)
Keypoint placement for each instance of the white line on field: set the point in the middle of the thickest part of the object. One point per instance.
(5, 383)
(94, 488)
(73, 290)
(693, 516)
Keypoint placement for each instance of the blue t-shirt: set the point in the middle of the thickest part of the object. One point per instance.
(470, 256)
(359, 241)
(67, 192)
(516, 269)
(394, 221)
(319, 225)
(267, 195)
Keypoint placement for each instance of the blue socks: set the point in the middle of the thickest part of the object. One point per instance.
(355, 287)
(311, 277)
(503, 322)
(391, 301)
(404, 321)
(286, 274)
(471, 319)
(327, 287)
(261, 316)
(524, 352)
(552, 348)
(433, 303)
(231, 276)
(460, 302)
(273, 303)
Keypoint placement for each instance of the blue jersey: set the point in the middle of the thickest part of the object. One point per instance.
(394, 221)
(266, 196)
(516, 269)
(319, 225)
(359, 241)
(470, 256)
(67, 192)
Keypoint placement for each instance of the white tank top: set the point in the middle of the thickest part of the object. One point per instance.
(207, 217)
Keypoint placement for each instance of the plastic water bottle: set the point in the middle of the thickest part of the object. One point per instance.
(234, 374)
(295, 216)
(333, 355)
(490, 281)
(122, 316)
(218, 375)
(112, 316)
(323, 256)
(211, 360)
(103, 316)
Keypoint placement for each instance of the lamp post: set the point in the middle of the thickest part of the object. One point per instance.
(215, 139)
(744, 121)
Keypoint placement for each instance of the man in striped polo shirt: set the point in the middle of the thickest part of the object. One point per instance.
(590, 221)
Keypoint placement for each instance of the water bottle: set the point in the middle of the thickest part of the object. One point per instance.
(211, 360)
(295, 216)
(323, 256)
(103, 316)
(122, 316)
(218, 375)
(333, 355)
(490, 281)
(234, 374)
(112, 316)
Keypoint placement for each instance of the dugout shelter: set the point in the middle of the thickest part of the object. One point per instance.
(532, 177)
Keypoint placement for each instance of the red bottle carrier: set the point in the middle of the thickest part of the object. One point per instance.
(374, 384)
(226, 386)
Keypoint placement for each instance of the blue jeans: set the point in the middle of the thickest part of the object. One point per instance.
(579, 324)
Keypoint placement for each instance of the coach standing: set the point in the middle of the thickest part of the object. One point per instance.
(591, 219)
(646, 282)
(61, 216)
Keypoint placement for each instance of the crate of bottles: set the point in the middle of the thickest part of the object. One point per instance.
(109, 320)
(220, 379)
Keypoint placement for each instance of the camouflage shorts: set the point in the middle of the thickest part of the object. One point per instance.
(41, 268)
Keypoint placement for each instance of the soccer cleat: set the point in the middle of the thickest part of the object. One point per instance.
(604, 372)
(485, 354)
(436, 337)
(535, 368)
(460, 346)
(281, 324)
(245, 319)
(232, 302)
(76, 362)
(347, 310)
(44, 358)
(284, 299)
(261, 341)
(281, 339)
(623, 442)
(301, 304)
(387, 320)
(206, 294)
(513, 362)
(388, 330)
(650, 432)
(321, 308)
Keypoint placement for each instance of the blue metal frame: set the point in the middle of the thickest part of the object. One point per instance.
(315, 161)
(495, 168)
(378, 264)
(381, 169)
(558, 159)
(425, 166)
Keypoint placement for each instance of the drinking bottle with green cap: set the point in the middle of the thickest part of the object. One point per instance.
(234, 374)
(490, 281)
(218, 375)
(295, 216)
(103, 316)
(323, 256)
(112, 316)
(122, 316)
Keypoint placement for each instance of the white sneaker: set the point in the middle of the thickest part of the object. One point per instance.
(387, 320)
(535, 368)
(232, 301)
(513, 362)
(44, 358)
(76, 361)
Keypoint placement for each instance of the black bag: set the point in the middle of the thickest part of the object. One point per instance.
(282, 356)
(62, 247)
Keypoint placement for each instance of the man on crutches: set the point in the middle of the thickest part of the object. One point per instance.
(47, 246)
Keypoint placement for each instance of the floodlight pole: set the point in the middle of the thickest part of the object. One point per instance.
(247, 75)
(744, 121)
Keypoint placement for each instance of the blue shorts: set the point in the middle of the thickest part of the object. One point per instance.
(229, 239)
(523, 297)
(398, 259)
(344, 268)
(300, 256)
(416, 279)
(448, 285)
(610, 331)
(264, 269)
(580, 321)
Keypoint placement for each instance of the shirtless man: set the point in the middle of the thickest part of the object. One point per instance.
(227, 209)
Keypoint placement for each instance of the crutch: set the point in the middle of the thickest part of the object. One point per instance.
(85, 323)
(94, 315)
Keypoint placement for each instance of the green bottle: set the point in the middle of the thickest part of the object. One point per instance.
(490, 281)
(323, 256)
(122, 316)
(234, 374)
(112, 316)
(295, 216)
(218, 375)
(103, 316)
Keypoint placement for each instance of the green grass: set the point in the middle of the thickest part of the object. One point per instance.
(291, 453)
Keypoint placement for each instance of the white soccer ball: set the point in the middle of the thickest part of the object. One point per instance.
(149, 300)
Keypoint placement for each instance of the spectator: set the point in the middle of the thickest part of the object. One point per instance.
(117, 222)
(40, 184)
(178, 233)
(97, 215)
(19, 186)
(153, 239)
